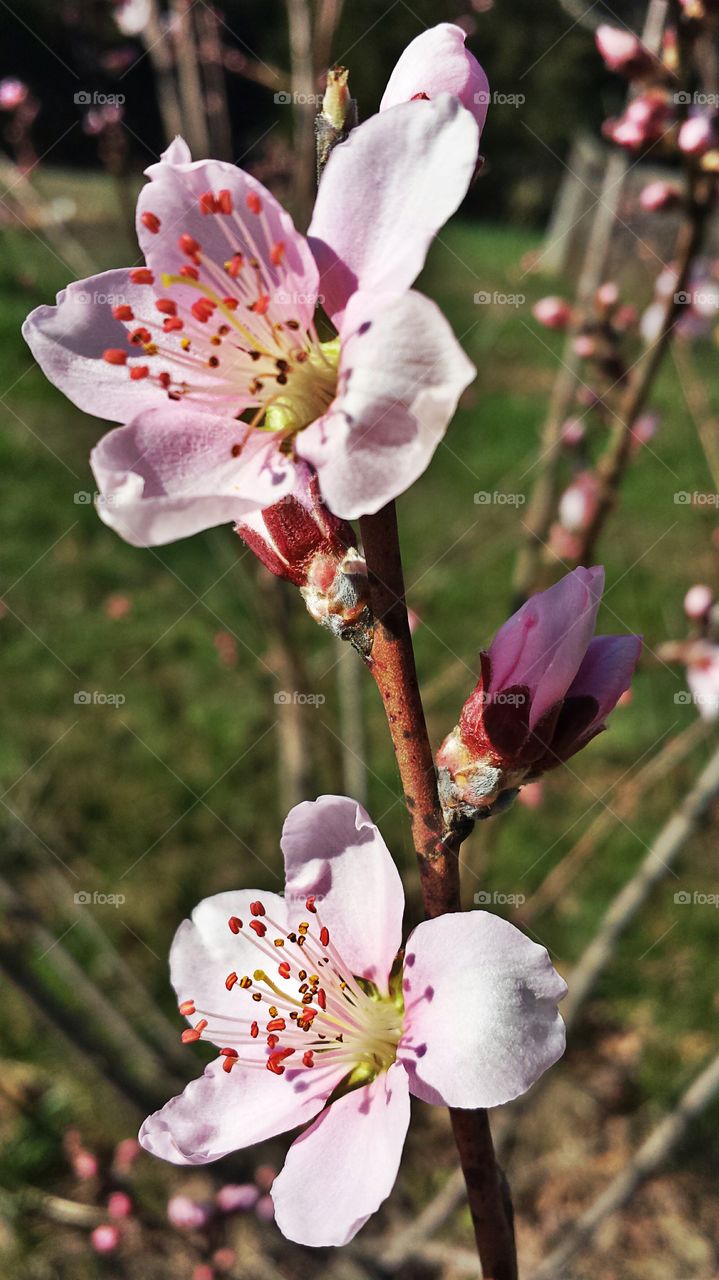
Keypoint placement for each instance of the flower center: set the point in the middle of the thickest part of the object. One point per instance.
(305, 1007)
(214, 330)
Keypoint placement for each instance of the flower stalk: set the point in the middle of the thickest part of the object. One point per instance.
(391, 662)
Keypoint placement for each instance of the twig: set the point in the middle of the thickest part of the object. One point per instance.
(351, 724)
(392, 665)
(209, 46)
(658, 1147)
(669, 757)
(303, 89)
(655, 866)
(192, 104)
(159, 50)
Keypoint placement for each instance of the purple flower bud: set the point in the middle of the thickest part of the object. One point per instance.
(187, 1214)
(265, 1209)
(545, 691)
(237, 1198)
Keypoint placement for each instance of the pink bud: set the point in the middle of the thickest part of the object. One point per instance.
(203, 1272)
(12, 93)
(531, 795)
(552, 312)
(578, 503)
(698, 601)
(608, 294)
(265, 1175)
(623, 52)
(237, 1198)
(645, 428)
(696, 135)
(105, 1238)
(224, 1259)
(436, 62)
(187, 1214)
(119, 1205)
(584, 345)
(84, 1165)
(265, 1209)
(573, 432)
(126, 1153)
(659, 195)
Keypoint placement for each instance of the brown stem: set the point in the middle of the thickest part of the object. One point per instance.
(392, 664)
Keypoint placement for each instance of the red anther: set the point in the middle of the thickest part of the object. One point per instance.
(235, 924)
(189, 1036)
(234, 265)
(142, 275)
(123, 313)
(420, 97)
(261, 304)
(165, 380)
(190, 273)
(321, 999)
(114, 356)
(207, 202)
(284, 969)
(259, 928)
(152, 222)
(230, 981)
(275, 1060)
(139, 371)
(255, 1030)
(253, 202)
(224, 201)
(272, 1041)
(277, 1024)
(229, 1063)
(228, 1053)
(166, 306)
(139, 337)
(173, 324)
(188, 244)
(277, 253)
(203, 309)
(231, 304)
(308, 1058)
(257, 909)
(200, 1026)
(187, 1008)
(310, 904)
(324, 936)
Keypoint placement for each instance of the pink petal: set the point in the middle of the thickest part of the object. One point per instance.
(437, 62)
(334, 851)
(606, 672)
(385, 193)
(402, 372)
(68, 341)
(542, 645)
(340, 1170)
(173, 196)
(222, 1112)
(172, 472)
(481, 1020)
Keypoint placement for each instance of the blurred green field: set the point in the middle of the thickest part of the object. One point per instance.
(173, 795)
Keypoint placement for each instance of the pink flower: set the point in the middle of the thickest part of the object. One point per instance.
(703, 678)
(105, 1238)
(210, 353)
(322, 1021)
(12, 93)
(545, 691)
(187, 1214)
(697, 135)
(698, 601)
(623, 52)
(647, 117)
(659, 195)
(552, 312)
(438, 62)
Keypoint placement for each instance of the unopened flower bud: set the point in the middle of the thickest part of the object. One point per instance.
(545, 691)
(298, 538)
(552, 312)
(573, 432)
(624, 52)
(237, 1198)
(698, 601)
(696, 135)
(186, 1214)
(119, 1205)
(578, 503)
(659, 196)
(105, 1238)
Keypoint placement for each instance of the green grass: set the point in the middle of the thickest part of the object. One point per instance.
(97, 790)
